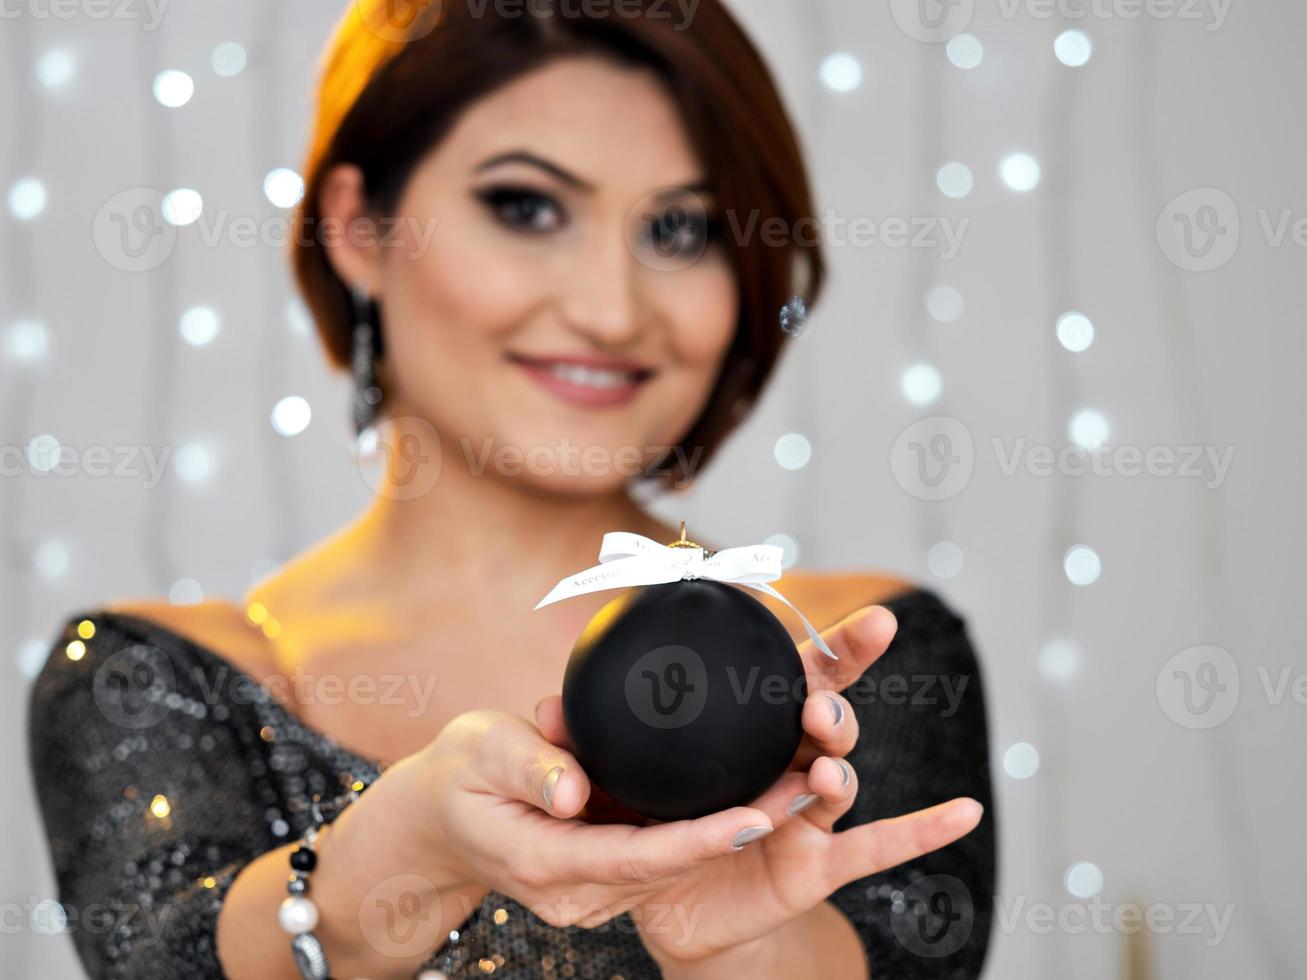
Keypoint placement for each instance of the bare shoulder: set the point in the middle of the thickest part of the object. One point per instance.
(217, 625)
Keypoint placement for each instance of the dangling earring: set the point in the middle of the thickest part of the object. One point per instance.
(365, 350)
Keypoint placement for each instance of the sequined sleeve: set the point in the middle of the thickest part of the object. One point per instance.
(146, 792)
(923, 740)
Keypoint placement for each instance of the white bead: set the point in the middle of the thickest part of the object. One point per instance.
(432, 975)
(298, 914)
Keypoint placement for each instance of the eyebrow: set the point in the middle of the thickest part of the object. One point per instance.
(549, 167)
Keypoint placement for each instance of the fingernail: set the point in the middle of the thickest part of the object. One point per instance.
(748, 835)
(837, 709)
(551, 782)
(801, 803)
(846, 772)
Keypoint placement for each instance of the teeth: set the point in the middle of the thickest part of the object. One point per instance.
(591, 377)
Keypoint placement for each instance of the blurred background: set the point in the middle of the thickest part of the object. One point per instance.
(1056, 379)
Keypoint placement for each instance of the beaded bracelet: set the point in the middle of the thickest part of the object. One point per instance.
(298, 914)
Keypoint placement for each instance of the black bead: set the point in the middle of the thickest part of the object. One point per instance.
(684, 699)
(302, 859)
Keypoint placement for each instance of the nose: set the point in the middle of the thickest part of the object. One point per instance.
(601, 298)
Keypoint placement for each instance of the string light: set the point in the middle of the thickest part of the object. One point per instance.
(1082, 565)
(1021, 760)
(1020, 172)
(965, 51)
(954, 180)
(51, 559)
(793, 451)
(1088, 428)
(291, 416)
(841, 72)
(192, 463)
(1059, 661)
(199, 325)
(26, 341)
(1073, 48)
(944, 559)
(789, 548)
(27, 198)
(1084, 879)
(182, 206)
(945, 304)
(229, 59)
(185, 592)
(921, 384)
(283, 187)
(44, 453)
(56, 68)
(1075, 332)
(173, 88)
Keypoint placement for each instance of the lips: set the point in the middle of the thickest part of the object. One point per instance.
(585, 379)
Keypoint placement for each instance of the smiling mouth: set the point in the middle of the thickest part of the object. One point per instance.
(586, 380)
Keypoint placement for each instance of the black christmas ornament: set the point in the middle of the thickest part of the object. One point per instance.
(683, 695)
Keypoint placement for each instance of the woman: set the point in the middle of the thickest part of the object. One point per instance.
(525, 234)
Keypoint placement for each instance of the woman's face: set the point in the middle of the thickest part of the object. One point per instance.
(572, 304)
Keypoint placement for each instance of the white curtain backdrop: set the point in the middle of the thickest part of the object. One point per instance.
(1197, 343)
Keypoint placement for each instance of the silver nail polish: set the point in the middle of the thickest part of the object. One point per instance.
(836, 707)
(846, 772)
(748, 835)
(801, 803)
(551, 781)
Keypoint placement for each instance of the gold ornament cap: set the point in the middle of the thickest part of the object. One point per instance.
(683, 542)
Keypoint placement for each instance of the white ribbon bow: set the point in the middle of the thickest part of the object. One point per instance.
(627, 559)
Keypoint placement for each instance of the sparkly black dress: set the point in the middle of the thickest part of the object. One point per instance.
(162, 770)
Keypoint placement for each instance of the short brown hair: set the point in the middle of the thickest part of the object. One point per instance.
(388, 94)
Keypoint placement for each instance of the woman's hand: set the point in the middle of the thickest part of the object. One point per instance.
(491, 802)
(733, 906)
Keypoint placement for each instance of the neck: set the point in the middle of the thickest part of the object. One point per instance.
(491, 526)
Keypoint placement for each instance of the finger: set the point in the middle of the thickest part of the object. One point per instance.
(549, 718)
(830, 724)
(873, 847)
(832, 784)
(616, 854)
(857, 640)
(517, 762)
(776, 801)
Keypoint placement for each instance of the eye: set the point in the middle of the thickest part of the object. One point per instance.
(523, 209)
(679, 231)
